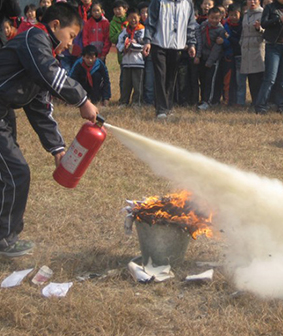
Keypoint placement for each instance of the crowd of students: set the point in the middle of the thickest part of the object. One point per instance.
(235, 43)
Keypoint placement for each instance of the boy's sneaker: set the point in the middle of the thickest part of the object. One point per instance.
(203, 106)
(161, 116)
(19, 248)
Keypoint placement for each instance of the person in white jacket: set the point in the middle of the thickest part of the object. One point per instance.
(169, 28)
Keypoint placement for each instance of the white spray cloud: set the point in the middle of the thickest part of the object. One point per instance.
(249, 208)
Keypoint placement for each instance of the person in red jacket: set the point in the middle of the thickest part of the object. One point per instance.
(30, 20)
(96, 31)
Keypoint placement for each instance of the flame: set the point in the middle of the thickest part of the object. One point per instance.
(176, 208)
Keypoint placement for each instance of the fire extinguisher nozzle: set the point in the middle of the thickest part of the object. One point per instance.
(107, 125)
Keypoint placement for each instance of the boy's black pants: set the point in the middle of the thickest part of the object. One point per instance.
(207, 78)
(165, 65)
(14, 178)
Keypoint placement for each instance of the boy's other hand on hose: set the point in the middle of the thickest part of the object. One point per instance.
(89, 111)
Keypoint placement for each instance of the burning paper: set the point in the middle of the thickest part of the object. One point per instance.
(202, 276)
(149, 273)
(176, 209)
(15, 278)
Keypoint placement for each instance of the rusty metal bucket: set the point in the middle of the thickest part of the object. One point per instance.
(165, 244)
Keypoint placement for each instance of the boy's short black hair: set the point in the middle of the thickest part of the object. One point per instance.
(132, 10)
(214, 10)
(234, 7)
(29, 7)
(65, 13)
(120, 3)
(89, 50)
(143, 5)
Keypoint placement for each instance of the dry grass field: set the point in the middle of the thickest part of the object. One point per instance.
(81, 230)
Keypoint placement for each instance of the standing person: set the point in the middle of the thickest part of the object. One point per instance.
(272, 22)
(96, 31)
(148, 86)
(30, 18)
(203, 12)
(130, 44)
(45, 3)
(187, 87)
(170, 27)
(29, 74)
(232, 54)
(84, 9)
(117, 24)
(211, 31)
(252, 47)
(8, 8)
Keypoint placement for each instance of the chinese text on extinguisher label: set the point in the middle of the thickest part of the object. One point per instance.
(74, 156)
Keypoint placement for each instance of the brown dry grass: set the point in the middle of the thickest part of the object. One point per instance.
(81, 230)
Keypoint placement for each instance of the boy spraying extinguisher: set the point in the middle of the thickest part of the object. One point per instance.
(29, 73)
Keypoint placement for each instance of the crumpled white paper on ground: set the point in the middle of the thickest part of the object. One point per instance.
(15, 278)
(56, 289)
(149, 273)
(207, 275)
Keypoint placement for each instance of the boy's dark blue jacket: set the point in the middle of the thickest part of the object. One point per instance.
(29, 72)
(231, 44)
(79, 73)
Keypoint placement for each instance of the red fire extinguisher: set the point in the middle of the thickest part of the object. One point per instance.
(80, 154)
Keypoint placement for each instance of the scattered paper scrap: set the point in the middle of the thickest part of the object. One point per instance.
(148, 273)
(15, 278)
(88, 276)
(209, 263)
(56, 289)
(44, 274)
(139, 274)
(207, 275)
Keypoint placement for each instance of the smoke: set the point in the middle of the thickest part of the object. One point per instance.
(249, 209)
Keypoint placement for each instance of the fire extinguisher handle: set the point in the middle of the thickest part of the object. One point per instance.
(99, 120)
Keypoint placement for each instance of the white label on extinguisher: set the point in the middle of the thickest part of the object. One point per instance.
(73, 156)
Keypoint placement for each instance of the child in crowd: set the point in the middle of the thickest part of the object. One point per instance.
(29, 75)
(148, 88)
(210, 56)
(96, 31)
(30, 18)
(223, 14)
(74, 51)
(45, 3)
(187, 88)
(130, 43)
(84, 9)
(204, 8)
(234, 82)
(226, 4)
(92, 74)
(9, 29)
(117, 24)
